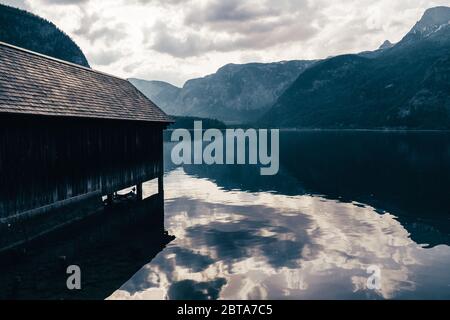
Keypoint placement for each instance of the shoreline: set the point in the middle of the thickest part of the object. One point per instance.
(325, 130)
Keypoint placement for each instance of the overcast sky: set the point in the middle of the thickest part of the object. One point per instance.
(176, 40)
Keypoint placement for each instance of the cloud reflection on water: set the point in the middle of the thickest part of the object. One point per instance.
(241, 245)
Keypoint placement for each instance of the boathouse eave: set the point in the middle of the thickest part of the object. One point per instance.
(35, 84)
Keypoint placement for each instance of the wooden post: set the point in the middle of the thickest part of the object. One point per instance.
(161, 184)
(161, 195)
(161, 168)
(139, 192)
(109, 198)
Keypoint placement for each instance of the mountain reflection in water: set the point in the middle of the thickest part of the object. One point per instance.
(341, 203)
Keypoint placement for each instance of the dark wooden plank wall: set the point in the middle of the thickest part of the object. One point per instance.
(47, 160)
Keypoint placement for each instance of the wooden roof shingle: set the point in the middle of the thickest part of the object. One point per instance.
(31, 83)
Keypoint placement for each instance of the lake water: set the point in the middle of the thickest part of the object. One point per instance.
(343, 201)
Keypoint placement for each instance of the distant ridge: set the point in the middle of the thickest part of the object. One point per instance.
(236, 93)
(405, 86)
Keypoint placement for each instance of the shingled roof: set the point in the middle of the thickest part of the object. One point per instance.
(31, 83)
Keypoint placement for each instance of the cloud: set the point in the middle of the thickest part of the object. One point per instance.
(105, 57)
(167, 41)
(272, 246)
(227, 11)
(162, 2)
(65, 2)
(16, 4)
(233, 26)
(175, 40)
(93, 28)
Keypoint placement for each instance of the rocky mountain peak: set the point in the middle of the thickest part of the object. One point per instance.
(386, 45)
(432, 20)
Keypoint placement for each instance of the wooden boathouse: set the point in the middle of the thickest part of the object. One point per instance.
(69, 134)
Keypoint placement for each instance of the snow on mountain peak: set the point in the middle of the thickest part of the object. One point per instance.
(433, 20)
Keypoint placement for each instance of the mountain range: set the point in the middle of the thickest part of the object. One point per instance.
(26, 30)
(403, 85)
(235, 93)
(406, 85)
